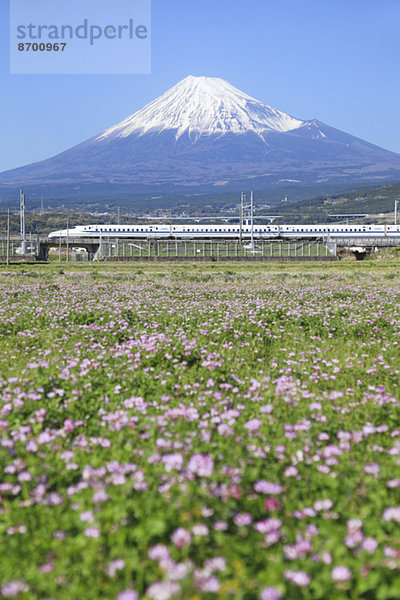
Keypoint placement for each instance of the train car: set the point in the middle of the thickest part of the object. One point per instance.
(229, 231)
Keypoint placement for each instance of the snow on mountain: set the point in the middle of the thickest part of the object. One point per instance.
(204, 106)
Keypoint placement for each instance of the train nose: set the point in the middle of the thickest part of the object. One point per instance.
(56, 234)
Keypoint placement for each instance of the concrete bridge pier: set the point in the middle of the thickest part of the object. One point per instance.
(42, 252)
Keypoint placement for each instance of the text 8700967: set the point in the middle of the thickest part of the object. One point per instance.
(49, 47)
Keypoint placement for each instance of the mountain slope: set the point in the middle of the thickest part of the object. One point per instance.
(205, 131)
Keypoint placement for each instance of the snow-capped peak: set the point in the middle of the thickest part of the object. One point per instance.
(204, 106)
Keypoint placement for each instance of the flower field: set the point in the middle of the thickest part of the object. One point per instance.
(204, 436)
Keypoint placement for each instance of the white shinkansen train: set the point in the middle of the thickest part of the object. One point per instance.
(226, 231)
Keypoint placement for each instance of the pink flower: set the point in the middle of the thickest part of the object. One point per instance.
(201, 465)
(299, 578)
(354, 525)
(200, 529)
(181, 537)
(392, 514)
(31, 446)
(391, 552)
(253, 425)
(14, 588)
(291, 472)
(46, 568)
(265, 487)
(87, 517)
(266, 409)
(163, 590)
(330, 451)
(69, 425)
(173, 462)
(92, 532)
(159, 552)
(353, 539)
(116, 565)
(372, 469)
(100, 496)
(207, 583)
(220, 525)
(272, 504)
(268, 525)
(270, 593)
(323, 504)
(242, 519)
(127, 595)
(341, 573)
(218, 563)
(369, 545)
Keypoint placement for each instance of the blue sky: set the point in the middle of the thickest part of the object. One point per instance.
(335, 60)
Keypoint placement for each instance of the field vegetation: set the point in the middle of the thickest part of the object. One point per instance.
(200, 432)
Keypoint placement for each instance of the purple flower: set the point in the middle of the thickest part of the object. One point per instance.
(323, 504)
(299, 578)
(242, 519)
(354, 525)
(268, 525)
(116, 565)
(201, 465)
(92, 532)
(253, 425)
(372, 469)
(207, 583)
(291, 472)
(46, 568)
(270, 593)
(369, 545)
(127, 595)
(14, 588)
(159, 552)
(87, 517)
(181, 537)
(100, 496)
(200, 529)
(266, 409)
(392, 514)
(163, 590)
(265, 487)
(173, 462)
(218, 563)
(341, 573)
(330, 451)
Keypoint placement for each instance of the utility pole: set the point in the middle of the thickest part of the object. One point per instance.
(252, 219)
(8, 237)
(241, 216)
(22, 221)
(119, 215)
(396, 202)
(41, 206)
(67, 241)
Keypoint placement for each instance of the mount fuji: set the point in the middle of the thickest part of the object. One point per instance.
(205, 132)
